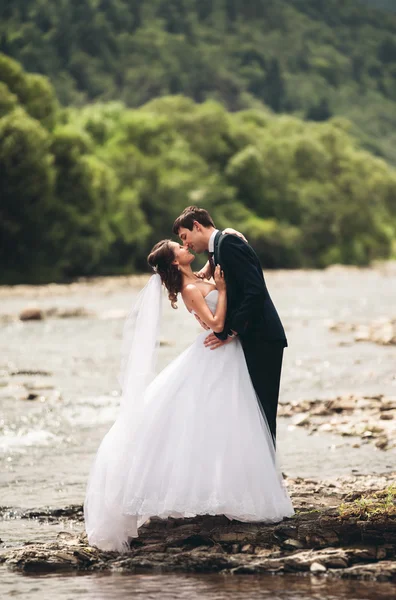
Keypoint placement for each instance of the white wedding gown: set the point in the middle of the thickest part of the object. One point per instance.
(201, 445)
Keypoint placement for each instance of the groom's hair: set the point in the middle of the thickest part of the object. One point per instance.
(191, 214)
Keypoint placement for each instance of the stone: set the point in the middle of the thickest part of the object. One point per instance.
(317, 567)
(292, 544)
(386, 416)
(382, 443)
(335, 540)
(302, 421)
(31, 314)
(68, 313)
(379, 571)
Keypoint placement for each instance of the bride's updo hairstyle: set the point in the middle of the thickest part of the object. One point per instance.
(160, 260)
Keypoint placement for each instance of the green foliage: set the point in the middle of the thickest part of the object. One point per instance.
(384, 4)
(33, 92)
(26, 187)
(313, 58)
(8, 100)
(95, 190)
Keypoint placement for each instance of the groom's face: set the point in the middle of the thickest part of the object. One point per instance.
(194, 239)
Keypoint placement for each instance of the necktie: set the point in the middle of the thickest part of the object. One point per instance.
(211, 262)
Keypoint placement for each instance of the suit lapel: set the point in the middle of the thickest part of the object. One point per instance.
(216, 255)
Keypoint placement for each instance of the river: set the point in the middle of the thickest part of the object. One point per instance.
(47, 444)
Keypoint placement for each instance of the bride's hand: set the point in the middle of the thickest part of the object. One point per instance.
(219, 279)
(235, 232)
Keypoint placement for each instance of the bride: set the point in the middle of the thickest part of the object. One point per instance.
(192, 440)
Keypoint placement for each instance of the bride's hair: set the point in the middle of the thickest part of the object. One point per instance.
(161, 260)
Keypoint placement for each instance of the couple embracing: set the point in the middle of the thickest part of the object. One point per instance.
(199, 438)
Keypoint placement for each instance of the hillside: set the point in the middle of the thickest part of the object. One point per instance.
(312, 58)
(89, 190)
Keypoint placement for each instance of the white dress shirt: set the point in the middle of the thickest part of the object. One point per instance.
(211, 241)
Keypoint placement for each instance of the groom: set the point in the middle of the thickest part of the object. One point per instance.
(251, 315)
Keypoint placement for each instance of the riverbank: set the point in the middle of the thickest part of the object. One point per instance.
(343, 528)
(59, 396)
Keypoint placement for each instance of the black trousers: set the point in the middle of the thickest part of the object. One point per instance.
(264, 362)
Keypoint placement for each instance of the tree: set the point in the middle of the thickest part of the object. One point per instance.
(26, 192)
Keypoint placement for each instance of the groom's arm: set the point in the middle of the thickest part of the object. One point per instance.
(237, 257)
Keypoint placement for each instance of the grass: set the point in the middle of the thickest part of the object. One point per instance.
(371, 505)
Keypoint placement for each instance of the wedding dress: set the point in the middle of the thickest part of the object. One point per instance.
(199, 444)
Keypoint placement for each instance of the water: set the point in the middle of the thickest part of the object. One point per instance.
(46, 445)
(190, 587)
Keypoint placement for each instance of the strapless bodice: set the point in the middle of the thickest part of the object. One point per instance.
(211, 300)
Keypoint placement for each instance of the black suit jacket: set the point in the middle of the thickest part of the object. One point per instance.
(250, 310)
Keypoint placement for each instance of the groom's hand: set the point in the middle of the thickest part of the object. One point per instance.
(213, 342)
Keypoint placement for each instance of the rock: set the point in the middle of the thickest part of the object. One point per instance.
(29, 372)
(301, 421)
(31, 314)
(155, 548)
(381, 553)
(379, 571)
(317, 568)
(165, 343)
(382, 443)
(388, 404)
(314, 541)
(380, 331)
(292, 544)
(386, 416)
(367, 434)
(263, 552)
(348, 416)
(233, 536)
(68, 313)
(248, 548)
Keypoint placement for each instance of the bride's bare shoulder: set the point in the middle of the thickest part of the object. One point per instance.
(190, 291)
(192, 296)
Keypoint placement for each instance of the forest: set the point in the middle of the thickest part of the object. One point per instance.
(278, 117)
(312, 58)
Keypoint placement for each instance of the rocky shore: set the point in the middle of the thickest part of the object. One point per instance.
(370, 418)
(342, 528)
(34, 295)
(381, 331)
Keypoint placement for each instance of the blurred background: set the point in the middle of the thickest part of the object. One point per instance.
(278, 116)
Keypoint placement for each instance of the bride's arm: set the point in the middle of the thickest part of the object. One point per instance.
(195, 302)
(205, 273)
